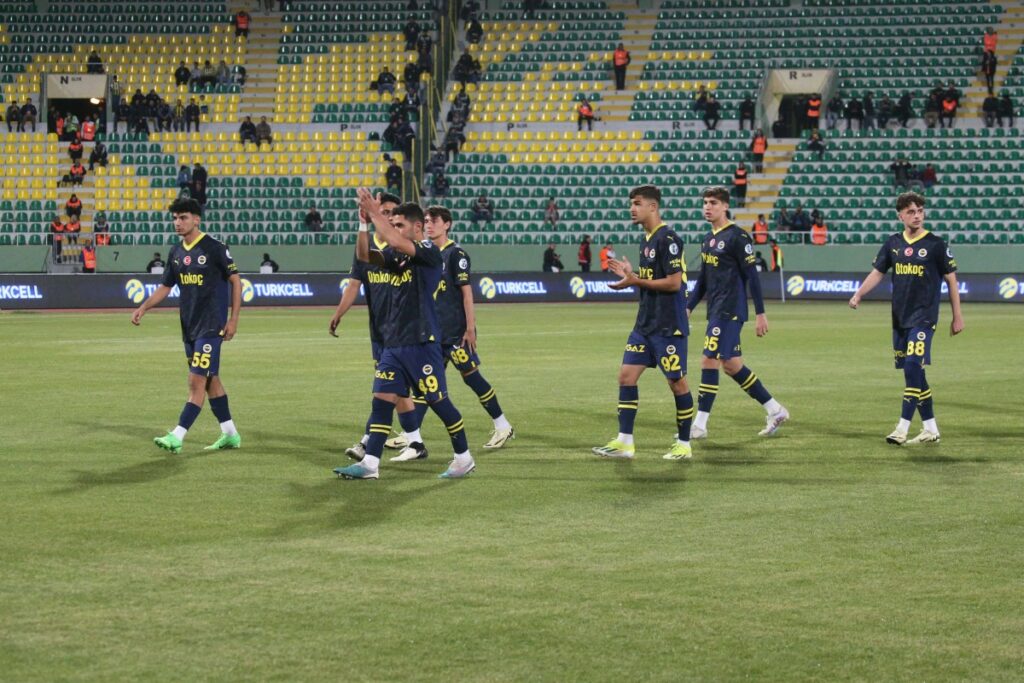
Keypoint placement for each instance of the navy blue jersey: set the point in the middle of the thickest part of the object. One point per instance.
(725, 256)
(661, 313)
(411, 313)
(201, 271)
(918, 267)
(374, 289)
(450, 308)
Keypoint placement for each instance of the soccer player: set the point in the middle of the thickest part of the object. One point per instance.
(208, 282)
(411, 354)
(920, 261)
(659, 334)
(375, 287)
(727, 270)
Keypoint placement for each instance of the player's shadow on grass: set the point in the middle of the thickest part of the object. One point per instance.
(937, 459)
(139, 473)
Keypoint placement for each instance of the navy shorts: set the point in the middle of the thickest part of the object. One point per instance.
(375, 350)
(203, 356)
(914, 343)
(722, 339)
(656, 351)
(418, 367)
(461, 358)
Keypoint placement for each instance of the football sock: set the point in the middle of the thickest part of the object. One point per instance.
(421, 408)
(707, 392)
(410, 422)
(452, 420)
(701, 421)
(501, 422)
(913, 374)
(187, 418)
(381, 413)
(924, 401)
(219, 406)
(931, 426)
(484, 392)
(749, 383)
(462, 457)
(629, 401)
(903, 425)
(684, 415)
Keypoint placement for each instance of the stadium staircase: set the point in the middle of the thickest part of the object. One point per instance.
(260, 60)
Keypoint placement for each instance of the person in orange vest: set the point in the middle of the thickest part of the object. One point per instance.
(584, 112)
(75, 149)
(73, 207)
(777, 258)
(990, 39)
(607, 252)
(758, 146)
(739, 185)
(71, 232)
(56, 236)
(760, 230)
(101, 229)
(242, 21)
(77, 174)
(620, 59)
(88, 129)
(88, 258)
(819, 231)
(948, 114)
(814, 112)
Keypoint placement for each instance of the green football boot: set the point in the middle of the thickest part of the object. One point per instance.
(169, 443)
(225, 442)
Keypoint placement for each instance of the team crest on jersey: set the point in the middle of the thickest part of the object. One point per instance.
(749, 249)
(201, 260)
(922, 253)
(949, 253)
(673, 248)
(721, 245)
(188, 260)
(463, 263)
(715, 331)
(648, 253)
(427, 369)
(909, 251)
(207, 348)
(670, 349)
(921, 336)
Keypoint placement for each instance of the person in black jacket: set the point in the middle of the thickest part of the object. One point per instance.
(712, 113)
(854, 112)
(552, 261)
(182, 74)
(1005, 110)
(747, 112)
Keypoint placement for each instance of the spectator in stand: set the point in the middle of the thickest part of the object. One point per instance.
(437, 162)
(868, 106)
(700, 99)
(759, 231)
(269, 264)
(833, 111)
(440, 185)
(606, 254)
(462, 101)
(747, 112)
(551, 213)
(901, 172)
(76, 175)
(239, 74)
(411, 31)
(393, 178)
(14, 116)
(475, 32)
(583, 257)
(73, 207)
(783, 221)
(758, 147)
(98, 155)
(94, 64)
(209, 74)
(816, 144)
(88, 129)
(988, 70)
(178, 116)
(990, 40)
(411, 75)
(819, 231)
(195, 76)
(467, 69)
(470, 9)
(223, 73)
(929, 177)
(182, 75)
(739, 185)
(56, 236)
(584, 114)
(552, 261)
(947, 117)
(156, 264)
(71, 126)
(313, 220)
(152, 102)
(814, 112)
(931, 111)
(184, 180)
(531, 6)
(481, 210)
(75, 149)
(904, 109)
(121, 113)
(989, 110)
(620, 60)
(101, 228)
(29, 114)
(1005, 110)
(263, 132)
(453, 140)
(198, 188)
(242, 22)
(854, 112)
(885, 112)
(164, 117)
(115, 91)
(71, 231)
(712, 111)
(800, 221)
(386, 82)
(192, 115)
(952, 93)
(247, 131)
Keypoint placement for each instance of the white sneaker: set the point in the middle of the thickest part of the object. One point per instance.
(414, 451)
(397, 443)
(926, 436)
(356, 451)
(897, 437)
(458, 470)
(773, 422)
(698, 433)
(499, 437)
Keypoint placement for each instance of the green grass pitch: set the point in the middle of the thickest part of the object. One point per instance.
(820, 554)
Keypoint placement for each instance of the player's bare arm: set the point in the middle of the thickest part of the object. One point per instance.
(236, 306)
(154, 300)
(348, 298)
(870, 282)
(956, 325)
(370, 206)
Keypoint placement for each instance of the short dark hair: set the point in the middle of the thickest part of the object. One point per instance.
(646, 192)
(411, 211)
(186, 205)
(718, 192)
(386, 197)
(436, 211)
(908, 198)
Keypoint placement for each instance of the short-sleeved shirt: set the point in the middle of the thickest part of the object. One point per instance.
(374, 287)
(725, 253)
(918, 267)
(451, 309)
(410, 315)
(661, 313)
(201, 271)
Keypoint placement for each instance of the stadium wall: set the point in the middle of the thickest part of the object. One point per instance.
(507, 258)
(309, 289)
